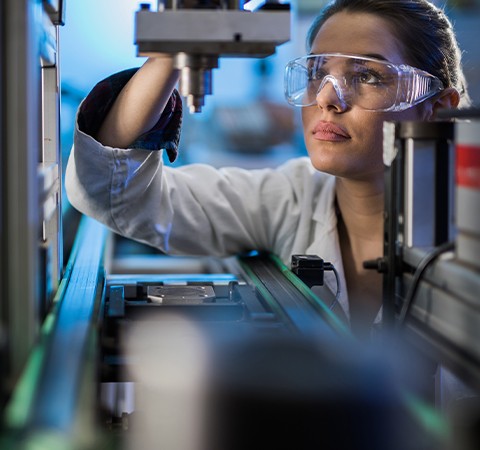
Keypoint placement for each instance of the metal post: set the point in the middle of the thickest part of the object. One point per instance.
(21, 142)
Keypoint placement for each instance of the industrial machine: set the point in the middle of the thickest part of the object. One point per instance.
(106, 348)
(431, 233)
(198, 33)
(31, 240)
(430, 261)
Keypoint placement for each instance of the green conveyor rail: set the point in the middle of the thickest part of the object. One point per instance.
(42, 412)
(288, 296)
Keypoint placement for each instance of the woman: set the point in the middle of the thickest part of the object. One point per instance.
(362, 53)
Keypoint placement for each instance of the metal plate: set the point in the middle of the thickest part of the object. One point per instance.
(168, 295)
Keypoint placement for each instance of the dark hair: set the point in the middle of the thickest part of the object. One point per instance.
(427, 35)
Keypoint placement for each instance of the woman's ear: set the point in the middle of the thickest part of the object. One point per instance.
(447, 99)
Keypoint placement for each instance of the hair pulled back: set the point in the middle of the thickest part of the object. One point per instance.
(427, 35)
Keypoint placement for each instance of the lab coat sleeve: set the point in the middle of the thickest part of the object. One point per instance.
(165, 134)
(194, 209)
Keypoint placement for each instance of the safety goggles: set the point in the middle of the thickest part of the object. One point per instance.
(369, 83)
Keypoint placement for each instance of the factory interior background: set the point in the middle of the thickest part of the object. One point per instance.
(246, 122)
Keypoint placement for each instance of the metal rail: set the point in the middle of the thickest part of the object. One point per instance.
(47, 399)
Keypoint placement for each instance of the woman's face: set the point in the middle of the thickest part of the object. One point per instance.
(347, 141)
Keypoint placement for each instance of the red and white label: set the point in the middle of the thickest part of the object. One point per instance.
(468, 166)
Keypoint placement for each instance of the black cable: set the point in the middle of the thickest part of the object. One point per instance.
(330, 266)
(424, 263)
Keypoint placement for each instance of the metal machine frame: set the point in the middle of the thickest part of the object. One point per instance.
(31, 239)
(429, 294)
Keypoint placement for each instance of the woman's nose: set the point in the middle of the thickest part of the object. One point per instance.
(330, 94)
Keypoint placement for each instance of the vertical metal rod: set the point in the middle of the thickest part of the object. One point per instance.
(408, 208)
(393, 219)
(22, 147)
(442, 192)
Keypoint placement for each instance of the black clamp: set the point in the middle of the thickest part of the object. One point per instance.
(309, 268)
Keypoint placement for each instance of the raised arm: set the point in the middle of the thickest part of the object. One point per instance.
(140, 103)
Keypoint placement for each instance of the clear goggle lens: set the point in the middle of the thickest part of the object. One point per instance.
(368, 83)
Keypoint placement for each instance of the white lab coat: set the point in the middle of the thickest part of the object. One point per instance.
(199, 210)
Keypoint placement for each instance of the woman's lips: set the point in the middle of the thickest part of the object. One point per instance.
(328, 131)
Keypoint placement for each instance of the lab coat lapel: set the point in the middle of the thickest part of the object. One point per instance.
(326, 243)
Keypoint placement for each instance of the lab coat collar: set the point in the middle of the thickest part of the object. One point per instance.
(326, 243)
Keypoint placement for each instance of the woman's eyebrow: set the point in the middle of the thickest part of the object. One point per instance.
(365, 55)
(376, 56)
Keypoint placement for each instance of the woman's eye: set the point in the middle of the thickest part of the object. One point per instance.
(368, 77)
(316, 74)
